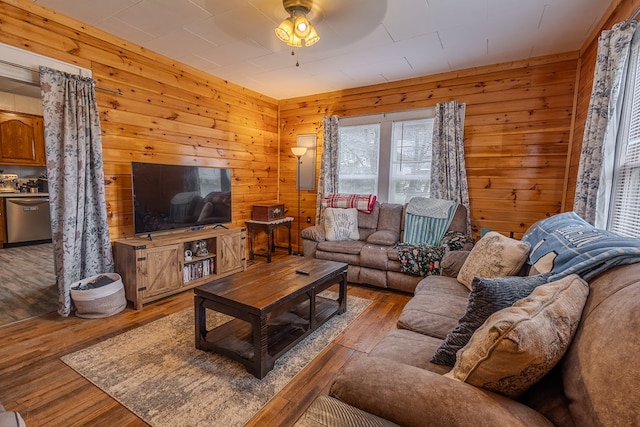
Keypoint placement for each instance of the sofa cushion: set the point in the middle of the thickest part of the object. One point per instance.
(352, 247)
(369, 221)
(351, 259)
(341, 224)
(435, 308)
(384, 237)
(410, 348)
(374, 256)
(520, 344)
(390, 217)
(487, 296)
(493, 256)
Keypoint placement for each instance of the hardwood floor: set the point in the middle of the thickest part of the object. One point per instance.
(47, 392)
(27, 282)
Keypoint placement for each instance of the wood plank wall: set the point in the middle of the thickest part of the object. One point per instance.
(619, 11)
(169, 112)
(517, 131)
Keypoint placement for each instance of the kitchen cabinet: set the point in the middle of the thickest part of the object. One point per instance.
(171, 263)
(21, 139)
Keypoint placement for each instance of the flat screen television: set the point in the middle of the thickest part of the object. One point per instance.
(168, 197)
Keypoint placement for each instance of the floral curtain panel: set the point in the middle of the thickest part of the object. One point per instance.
(328, 176)
(448, 169)
(598, 143)
(73, 143)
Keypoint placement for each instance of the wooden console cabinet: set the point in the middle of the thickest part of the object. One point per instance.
(156, 268)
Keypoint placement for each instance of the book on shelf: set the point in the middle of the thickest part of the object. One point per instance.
(198, 269)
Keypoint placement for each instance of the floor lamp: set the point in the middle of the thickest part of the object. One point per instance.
(298, 152)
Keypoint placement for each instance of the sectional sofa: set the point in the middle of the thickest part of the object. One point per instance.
(373, 258)
(563, 355)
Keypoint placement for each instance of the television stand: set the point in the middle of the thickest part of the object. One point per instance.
(157, 268)
(220, 225)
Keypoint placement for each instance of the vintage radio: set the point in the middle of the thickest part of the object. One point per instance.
(267, 212)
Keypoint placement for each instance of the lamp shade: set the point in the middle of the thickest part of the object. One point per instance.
(298, 151)
(285, 30)
(301, 26)
(313, 37)
(296, 30)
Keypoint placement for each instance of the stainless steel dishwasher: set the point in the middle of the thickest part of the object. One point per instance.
(27, 219)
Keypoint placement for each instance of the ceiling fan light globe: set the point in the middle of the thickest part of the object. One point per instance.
(284, 31)
(312, 38)
(301, 26)
(294, 41)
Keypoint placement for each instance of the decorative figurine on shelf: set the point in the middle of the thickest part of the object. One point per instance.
(200, 248)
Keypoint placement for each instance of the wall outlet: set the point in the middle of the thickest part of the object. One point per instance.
(308, 220)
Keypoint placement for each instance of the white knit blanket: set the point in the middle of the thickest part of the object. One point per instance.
(430, 207)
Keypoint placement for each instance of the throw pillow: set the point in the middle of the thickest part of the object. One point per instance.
(487, 296)
(341, 224)
(494, 255)
(518, 345)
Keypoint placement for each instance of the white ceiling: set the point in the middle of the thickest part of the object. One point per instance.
(362, 42)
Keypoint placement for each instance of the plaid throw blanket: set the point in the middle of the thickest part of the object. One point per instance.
(566, 244)
(362, 202)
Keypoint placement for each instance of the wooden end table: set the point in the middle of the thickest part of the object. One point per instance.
(254, 226)
(274, 308)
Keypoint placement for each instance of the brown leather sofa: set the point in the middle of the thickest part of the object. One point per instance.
(373, 259)
(595, 383)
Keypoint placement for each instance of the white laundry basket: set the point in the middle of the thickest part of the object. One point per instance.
(103, 301)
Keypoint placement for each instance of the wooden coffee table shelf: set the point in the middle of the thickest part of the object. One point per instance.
(274, 308)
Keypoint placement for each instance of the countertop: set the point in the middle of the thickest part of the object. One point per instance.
(10, 195)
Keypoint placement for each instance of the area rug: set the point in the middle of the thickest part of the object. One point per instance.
(157, 373)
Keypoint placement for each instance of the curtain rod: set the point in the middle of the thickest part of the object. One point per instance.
(633, 16)
(24, 67)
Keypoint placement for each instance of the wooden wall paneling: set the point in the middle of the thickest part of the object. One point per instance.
(168, 113)
(517, 127)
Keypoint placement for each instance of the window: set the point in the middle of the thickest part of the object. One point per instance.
(624, 208)
(388, 155)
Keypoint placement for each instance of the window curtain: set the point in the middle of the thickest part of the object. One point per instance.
(73, 144)
(598, 143)
(328, 176)
(448, 170)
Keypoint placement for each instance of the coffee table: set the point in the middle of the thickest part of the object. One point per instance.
(273, 308)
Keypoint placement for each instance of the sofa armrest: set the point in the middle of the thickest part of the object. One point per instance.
(315, 233)
(411, 396)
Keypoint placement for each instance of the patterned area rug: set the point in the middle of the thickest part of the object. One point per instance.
(158, 374)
